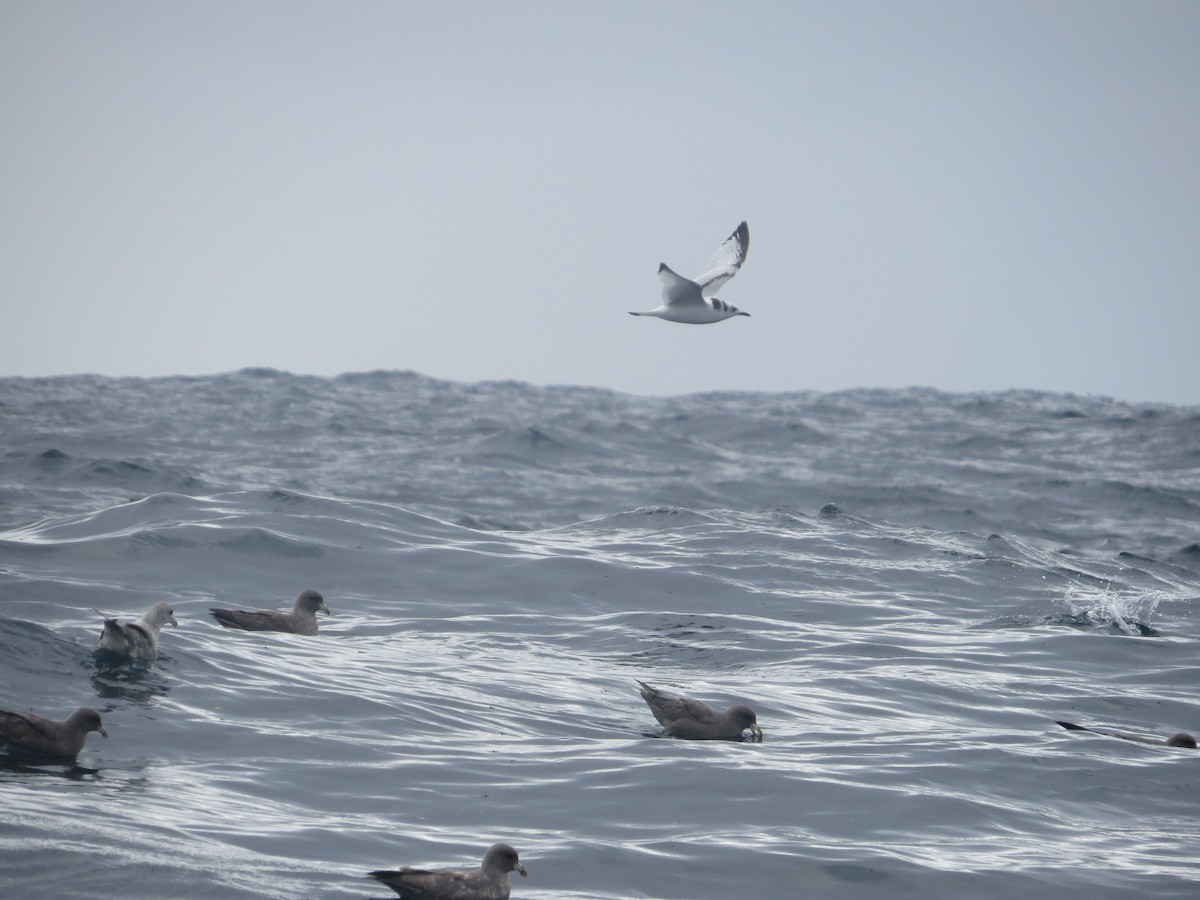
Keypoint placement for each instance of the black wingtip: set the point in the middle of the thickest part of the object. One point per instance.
(1070, 726)
(661, 266)
(742, 233)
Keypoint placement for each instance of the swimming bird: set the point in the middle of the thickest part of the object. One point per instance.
(696, 721)
(137, 640)
(488, 882)
(301, 620)
(691, 300)
(26, 731)
(1179, 739)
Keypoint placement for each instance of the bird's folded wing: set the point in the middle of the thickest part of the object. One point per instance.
(696, 710)
(24, 728)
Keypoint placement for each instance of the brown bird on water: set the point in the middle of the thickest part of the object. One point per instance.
(693, 720)
(301, 620)
(488, 882)
(26, 731)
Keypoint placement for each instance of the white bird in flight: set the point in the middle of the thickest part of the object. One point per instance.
(691, 301)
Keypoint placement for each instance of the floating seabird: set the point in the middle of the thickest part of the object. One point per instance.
(488, 882)
(137, 640)
(693, 720)
(301, 620)
(692, 301)
(1179, 739)
(27, 731)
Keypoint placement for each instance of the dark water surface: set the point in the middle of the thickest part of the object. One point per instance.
(908, 586)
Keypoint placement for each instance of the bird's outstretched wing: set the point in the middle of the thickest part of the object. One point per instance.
(677, 290)
(726, 261)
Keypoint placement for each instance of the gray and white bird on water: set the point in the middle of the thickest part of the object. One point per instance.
(691, 300)
(137, 640)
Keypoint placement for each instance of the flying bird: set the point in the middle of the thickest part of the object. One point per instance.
(691, 300)
(488, 882)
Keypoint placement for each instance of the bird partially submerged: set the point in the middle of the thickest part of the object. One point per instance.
(1179, 739)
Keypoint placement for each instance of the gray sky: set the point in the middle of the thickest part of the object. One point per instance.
(968, 195)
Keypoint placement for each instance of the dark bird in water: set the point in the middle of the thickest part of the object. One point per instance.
(693, 720)
(1179, 739)
(488, 882)
(25, 731)
(301, 620)
(137, 640)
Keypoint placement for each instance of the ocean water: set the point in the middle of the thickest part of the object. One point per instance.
(909, 587)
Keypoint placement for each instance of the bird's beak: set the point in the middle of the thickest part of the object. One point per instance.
(102, 731)
(520, 868)
(174, 621)
(755, 733)
(325, 609)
